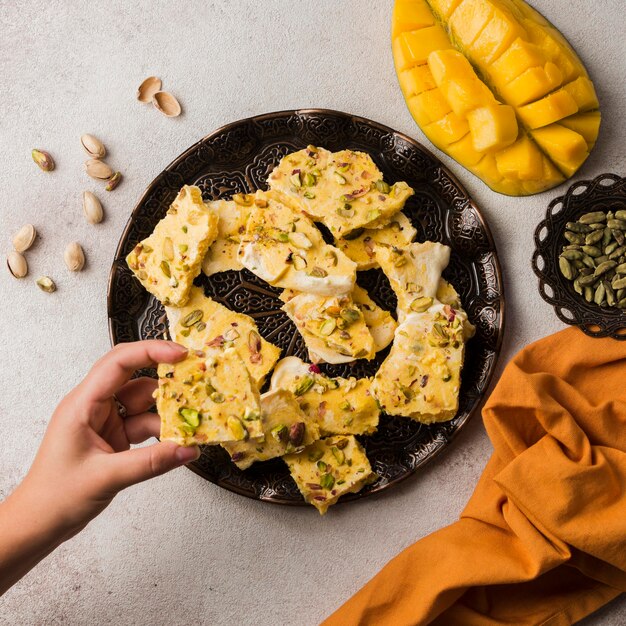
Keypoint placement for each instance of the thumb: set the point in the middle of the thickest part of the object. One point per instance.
(139, 464)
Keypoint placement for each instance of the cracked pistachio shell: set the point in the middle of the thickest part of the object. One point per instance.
(98, 169)
(16, 264)
(93, 146)
(74, 257)
(92, 208)
(148, 88)
(24, 238)
(166, 103)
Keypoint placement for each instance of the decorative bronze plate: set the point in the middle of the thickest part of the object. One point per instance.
(607, 192)
(238, 158)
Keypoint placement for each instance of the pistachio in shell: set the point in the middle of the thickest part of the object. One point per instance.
(43, 160)
(24, 238)
(166, 103)
(92, 208)
(74, 257)
(16, 264)
(98, 169)
(93, 146)
(148, 88)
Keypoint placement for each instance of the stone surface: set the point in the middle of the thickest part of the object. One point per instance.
(179, 550)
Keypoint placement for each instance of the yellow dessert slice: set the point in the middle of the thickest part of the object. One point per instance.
(286, 430)
(447, 294)
(169, 259)
(343, 190)
(359, 245)
(332, 327)
(233, 216)
(282, 246)
(380, 323)
(208, 398)
(341, 406)
(204, 322)
(328, 469)
(414, 273)
(421, 377)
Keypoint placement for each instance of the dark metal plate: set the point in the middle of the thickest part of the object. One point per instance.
(607, 192)
(238, 158)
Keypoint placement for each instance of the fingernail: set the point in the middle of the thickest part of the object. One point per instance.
(186, 455)
(178, 347)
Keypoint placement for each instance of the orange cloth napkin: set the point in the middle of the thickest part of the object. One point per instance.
(543, 538)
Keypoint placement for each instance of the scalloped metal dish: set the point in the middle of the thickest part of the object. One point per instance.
(238, 158)
(603, 193)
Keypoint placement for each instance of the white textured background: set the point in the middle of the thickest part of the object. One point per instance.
(179, 550)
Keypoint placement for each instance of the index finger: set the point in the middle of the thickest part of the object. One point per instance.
(118, 365)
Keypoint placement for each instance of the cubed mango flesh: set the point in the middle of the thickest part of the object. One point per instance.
(416, 80)
(448, 65)
(498, 34)
(444, 8)
(556, 49)
(522, 160)
(585, 124)
(583, 92)
(429, 106)
(519, 57)
(498, 88)
(411, 15)
(418, 44)
(464, 151)
(493, 127)
(447, 130)
(550, 177)
(468, 20)
(552, 108)
(533, 84)
(567, 148)
(464, 95)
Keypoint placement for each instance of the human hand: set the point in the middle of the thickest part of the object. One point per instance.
(84, 459)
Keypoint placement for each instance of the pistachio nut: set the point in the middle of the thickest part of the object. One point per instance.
(74, 257)
(300, 240)
(16, 264)
(113, 181)
(237, 429)
(43, 160)
(327, 327)
(92, 208)
(45, 283)
(93, 146)
(24, 238)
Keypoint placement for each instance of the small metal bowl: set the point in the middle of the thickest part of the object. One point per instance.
(607, 192)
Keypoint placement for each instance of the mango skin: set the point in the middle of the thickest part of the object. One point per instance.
(518, 69)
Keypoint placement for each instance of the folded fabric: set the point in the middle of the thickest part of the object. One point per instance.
(543, 538)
